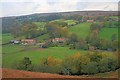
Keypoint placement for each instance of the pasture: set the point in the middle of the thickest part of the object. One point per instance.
(40, 25)
(6, 38)
(13, 53)
(69, 22)
(82, 30)
(106, 33)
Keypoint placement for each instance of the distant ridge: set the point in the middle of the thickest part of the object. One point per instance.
(72, 12)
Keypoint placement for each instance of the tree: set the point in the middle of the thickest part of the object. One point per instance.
(81, 44)
(90, 68)
(73, 38)
(25, 64)
(55, 30)
(113, 37)
(49, 64)
(94, 56)
(107, 64)
(29, 30)
(69, 66)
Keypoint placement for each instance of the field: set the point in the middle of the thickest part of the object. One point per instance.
(6, 38)
(13, 53)
(42, 37)
(69, 22)
(106, 33)
(82, 30)
(40, 25)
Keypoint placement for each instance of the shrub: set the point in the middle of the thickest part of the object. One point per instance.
(90, 68)
(107, 64)
(25, 64)
(49, 64)
(94, 56)
(71, 64)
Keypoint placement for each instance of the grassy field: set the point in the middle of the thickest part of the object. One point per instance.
(82, 30)
(106, 33)
(6, 38)
(69, 22)
(40, 25)
(13, 53)
(43, 37)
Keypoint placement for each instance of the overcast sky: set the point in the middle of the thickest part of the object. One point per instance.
(23, 7)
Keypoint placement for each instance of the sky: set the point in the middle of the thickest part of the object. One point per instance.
(25, 7)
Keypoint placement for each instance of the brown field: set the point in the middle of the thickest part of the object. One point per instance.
(10, 73)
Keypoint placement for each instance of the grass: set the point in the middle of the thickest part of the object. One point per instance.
(34, 54)
(6, 38)
(11, 48)
(42, 38)
(70, 22)
(40, 25)
(82, 30)
(106, 33)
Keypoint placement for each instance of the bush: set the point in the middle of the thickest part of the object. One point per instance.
(25, 64)
(94, 56)
(49, 64)
(90, 68)
(107, 64)
(48, 68)
(71, 64)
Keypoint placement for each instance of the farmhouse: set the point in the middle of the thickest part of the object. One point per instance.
(90, 20)
(28, 41)
(60, 40)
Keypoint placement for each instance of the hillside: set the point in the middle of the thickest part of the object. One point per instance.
(10, 73)
(8, 22)
(82, 30)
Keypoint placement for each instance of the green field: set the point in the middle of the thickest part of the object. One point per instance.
(69, 22)
(12, 53)
(40, 25)
(42, 37)
(82, 29)
(106, 33)
(6, 38)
